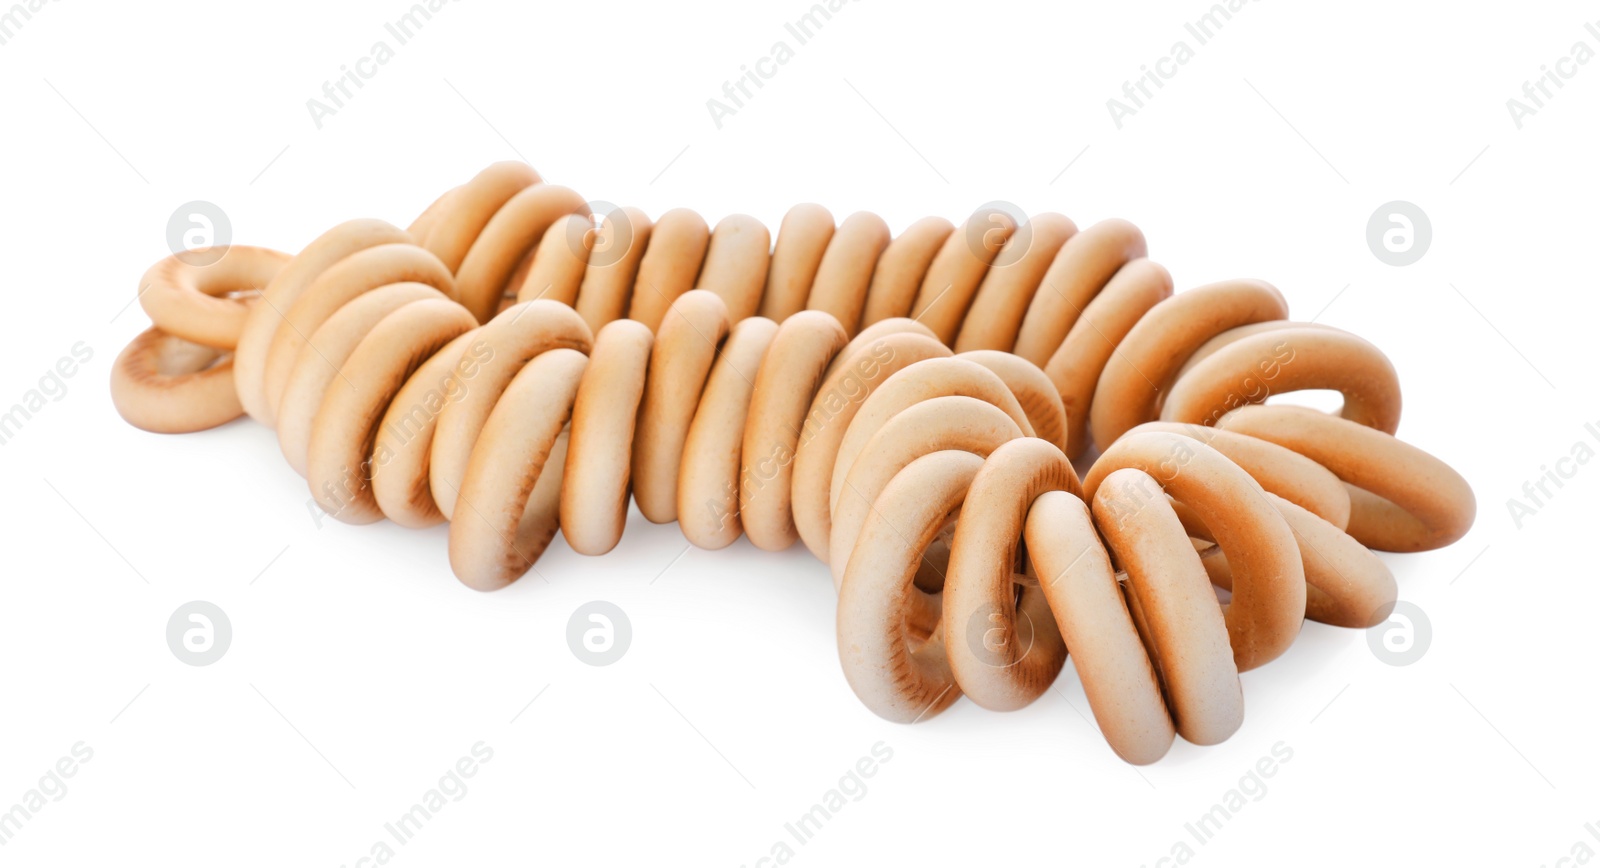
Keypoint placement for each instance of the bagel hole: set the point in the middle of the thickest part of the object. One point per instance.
(1211, 554)
(1193, 525)
(935, 562)
(177, 357)
(1023, 573)
(1217, 569)
(922, 619)
(1326, 400)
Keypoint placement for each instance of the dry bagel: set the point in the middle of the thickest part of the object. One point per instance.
(476, 368)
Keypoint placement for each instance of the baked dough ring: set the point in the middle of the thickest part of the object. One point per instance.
(708, 475)
(459, 219)
(1154, 350)
(953, 422)
(1092, 616)
(513, 338)
(898, 273)
(208, 304)
(845, 273)
(891, 642)
(1080, 271)
(911, 385)
(855, 373)
(1136, 288)
(1269, 600)
(594, 488)
(343, 282)
(957, 269)
(1173, 605)
(366, 353)
(788, 379)
(872, 336)
(1006, 650)
(507, 240)
(338, 456)
(802, 239)
(610, 274)
(1280, 470)
(736, 264)
(176, 377)
(1033, 390)
(685, 349)
(267, 315)
(511, 491)
(1401, 498)
(668, 269)
(1346, 584)
(1010, 283)
(318, 368)
(555, 271)
(167, 385)
(402, 450)
(1253, 362)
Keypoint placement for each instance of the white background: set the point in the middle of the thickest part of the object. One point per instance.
(360, 670)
